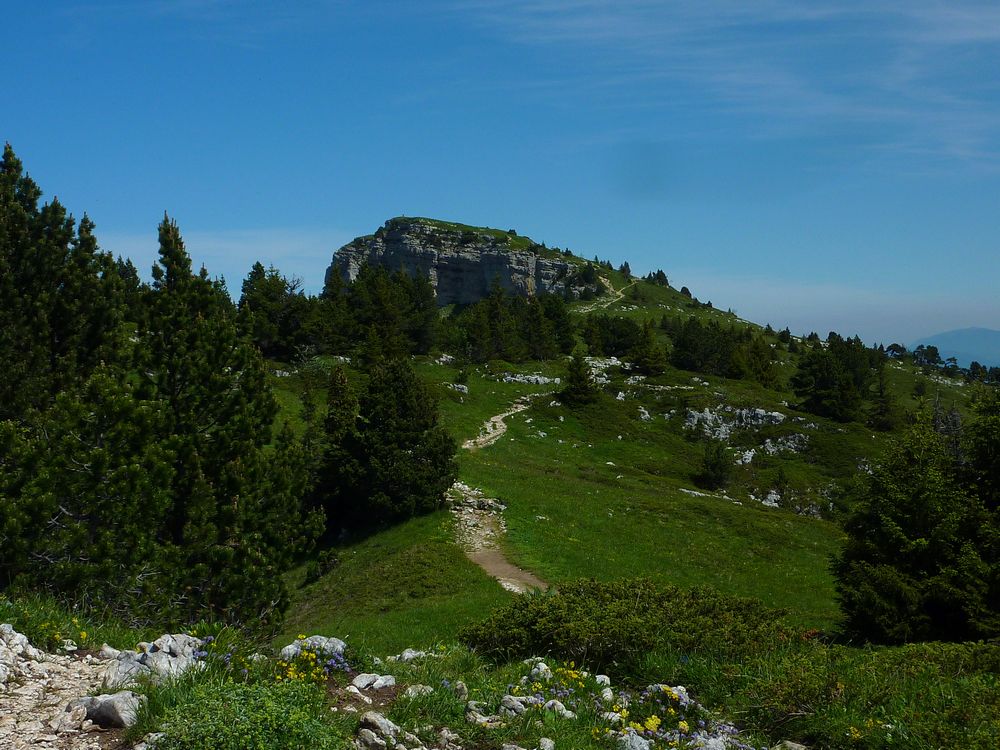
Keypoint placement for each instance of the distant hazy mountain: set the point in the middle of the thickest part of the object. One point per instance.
(967, 345)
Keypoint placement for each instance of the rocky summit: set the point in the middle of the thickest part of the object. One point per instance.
(461, 261)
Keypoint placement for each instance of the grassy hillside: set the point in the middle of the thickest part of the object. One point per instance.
(605, 493)
(408, 585)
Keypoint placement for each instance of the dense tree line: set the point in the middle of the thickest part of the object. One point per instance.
(510, 327)
(139, 464)
(727, 351)
(833, 380)
(397, 310)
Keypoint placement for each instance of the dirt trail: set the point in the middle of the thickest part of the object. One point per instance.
(479, 524)
(604, 302)
(495, 427)
(479, 527)
(509, 575)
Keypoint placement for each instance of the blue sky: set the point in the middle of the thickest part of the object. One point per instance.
(817, 164)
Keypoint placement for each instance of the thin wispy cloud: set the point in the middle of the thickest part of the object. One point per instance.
(919, 76)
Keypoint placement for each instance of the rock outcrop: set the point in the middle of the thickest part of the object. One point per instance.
(461, 262)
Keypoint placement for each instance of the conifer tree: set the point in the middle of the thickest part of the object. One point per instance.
(61, 303)
(580, 388)
(502, 314)
(85, 495)
(331, 327)
(390, 462)
(884, 413)
(422, 318)
(539, 332)
(557, 312)
(478, 334)
(921, 557)
(825, 387)
(648, 356)
(379, 304)
(338, 471)
(236, 516)
(983, 449)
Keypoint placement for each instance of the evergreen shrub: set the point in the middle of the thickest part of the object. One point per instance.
(605, 624)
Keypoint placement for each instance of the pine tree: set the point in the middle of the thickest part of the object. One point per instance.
(236, 516)
(478, 335)
(85, 495)
(507, 342)
(338, 471)
(983, 449)
(393, 461)
(331, 327)
(648, 356)
(379, 303)
(61, 302)
(716, 466)
(422, 315)
(884, 413)
(825, 387)
(920, 562)
(539, 332)
(558, 313)
(580, 388)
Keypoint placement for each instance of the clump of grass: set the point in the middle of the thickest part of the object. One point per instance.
(48, 622)
(252, 716)
(233, 668)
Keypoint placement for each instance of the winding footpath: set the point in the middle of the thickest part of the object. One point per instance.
(495, 427)
(602, 303)
(479, 523)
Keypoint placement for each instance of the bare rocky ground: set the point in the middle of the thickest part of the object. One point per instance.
(35, 691)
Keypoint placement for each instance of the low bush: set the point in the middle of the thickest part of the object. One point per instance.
(739, 658)
(251, 716)
(618, 624)
(926, 696)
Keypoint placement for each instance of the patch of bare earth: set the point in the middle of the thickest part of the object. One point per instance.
(479, 529)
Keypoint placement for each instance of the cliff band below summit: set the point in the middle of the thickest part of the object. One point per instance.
(461, 262)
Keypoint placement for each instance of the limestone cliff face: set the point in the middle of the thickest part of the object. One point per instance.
(461, 262)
